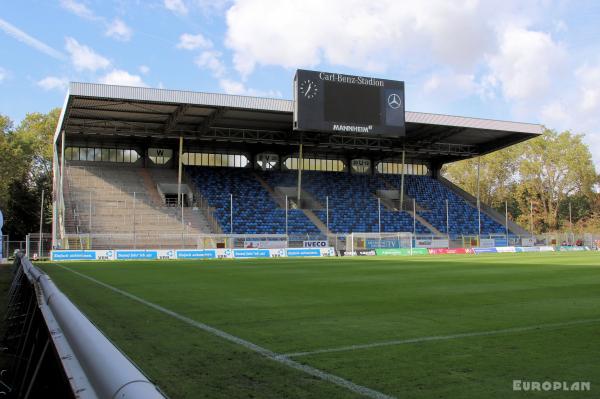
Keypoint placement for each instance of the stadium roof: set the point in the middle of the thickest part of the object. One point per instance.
(107, 110)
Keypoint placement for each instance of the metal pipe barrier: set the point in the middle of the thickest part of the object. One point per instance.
(48, 337)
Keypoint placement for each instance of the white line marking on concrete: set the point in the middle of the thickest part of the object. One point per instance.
(282, 359)
(444, 337)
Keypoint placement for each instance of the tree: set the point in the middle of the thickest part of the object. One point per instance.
(26, 169)
(544, 173)
(552, 168)
(496, 176)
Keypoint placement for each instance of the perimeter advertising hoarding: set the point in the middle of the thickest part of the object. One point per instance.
(339, 103)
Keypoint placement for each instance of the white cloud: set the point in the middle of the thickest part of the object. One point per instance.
(79, 9)
(122, 78)
(83, 57)
(560, 26)
(211, 60)
(116, 29)
(176, 6)
(209, 7)
(119, 30)
(234, 87)
(526, 63)
(449, 85)
(589, 82)
(31, 41)
(576, 109)
(554, 114)
(144, 69)
(3, 74)
(360, 34)
(188, 41)
(53, 82)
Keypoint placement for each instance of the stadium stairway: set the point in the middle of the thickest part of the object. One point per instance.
(280, 199)
(192, 216)
(150, 186)
(408, 205)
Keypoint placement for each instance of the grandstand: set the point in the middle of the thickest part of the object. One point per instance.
(147, 168)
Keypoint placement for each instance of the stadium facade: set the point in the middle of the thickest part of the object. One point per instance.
(141, 168)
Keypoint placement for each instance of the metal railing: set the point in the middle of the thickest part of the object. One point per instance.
(44, 328)
(202, 203)
(183, 240)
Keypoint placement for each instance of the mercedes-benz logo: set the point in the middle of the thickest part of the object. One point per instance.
(394, 101)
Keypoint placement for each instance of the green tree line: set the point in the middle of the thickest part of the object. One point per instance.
(26, 170)
(551, 178)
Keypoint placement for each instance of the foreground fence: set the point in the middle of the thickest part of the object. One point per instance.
(56, 352)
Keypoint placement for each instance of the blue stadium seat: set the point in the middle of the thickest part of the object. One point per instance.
(254, 211)
(352, 201)
(432, 195)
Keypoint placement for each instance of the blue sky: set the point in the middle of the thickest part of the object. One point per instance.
(533, 61)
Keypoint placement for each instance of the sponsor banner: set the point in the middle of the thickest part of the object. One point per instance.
(315, 244)
(423, 243)
(165, 254)
(293, 252)
(487, 243)
(485, 250)
(265, 244)
(224, 253)
(506, 249)
(438, 251)
(366, 252)
(546, 248)
(572, 248)
(527, 249)
(141, 254)
(82, 255)
(401, 251)
(308, 252)
(278, 253)
(449, 251)
(196, 254)
(251, 253)
(500, 242)
(527, 242)
(442, 243)
(431, 243)
(373, 243)
(392, 251)
(73, 255)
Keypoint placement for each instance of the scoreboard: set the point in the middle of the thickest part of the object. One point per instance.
(335, 102)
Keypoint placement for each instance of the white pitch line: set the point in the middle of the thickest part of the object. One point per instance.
(279, 358)
(443, 337)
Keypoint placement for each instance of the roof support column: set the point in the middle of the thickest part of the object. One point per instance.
(61, 222)
(478, 199)
(180, 161)
(402, 182)
(300, 164)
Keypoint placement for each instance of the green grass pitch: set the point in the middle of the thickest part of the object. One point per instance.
(477, 323)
